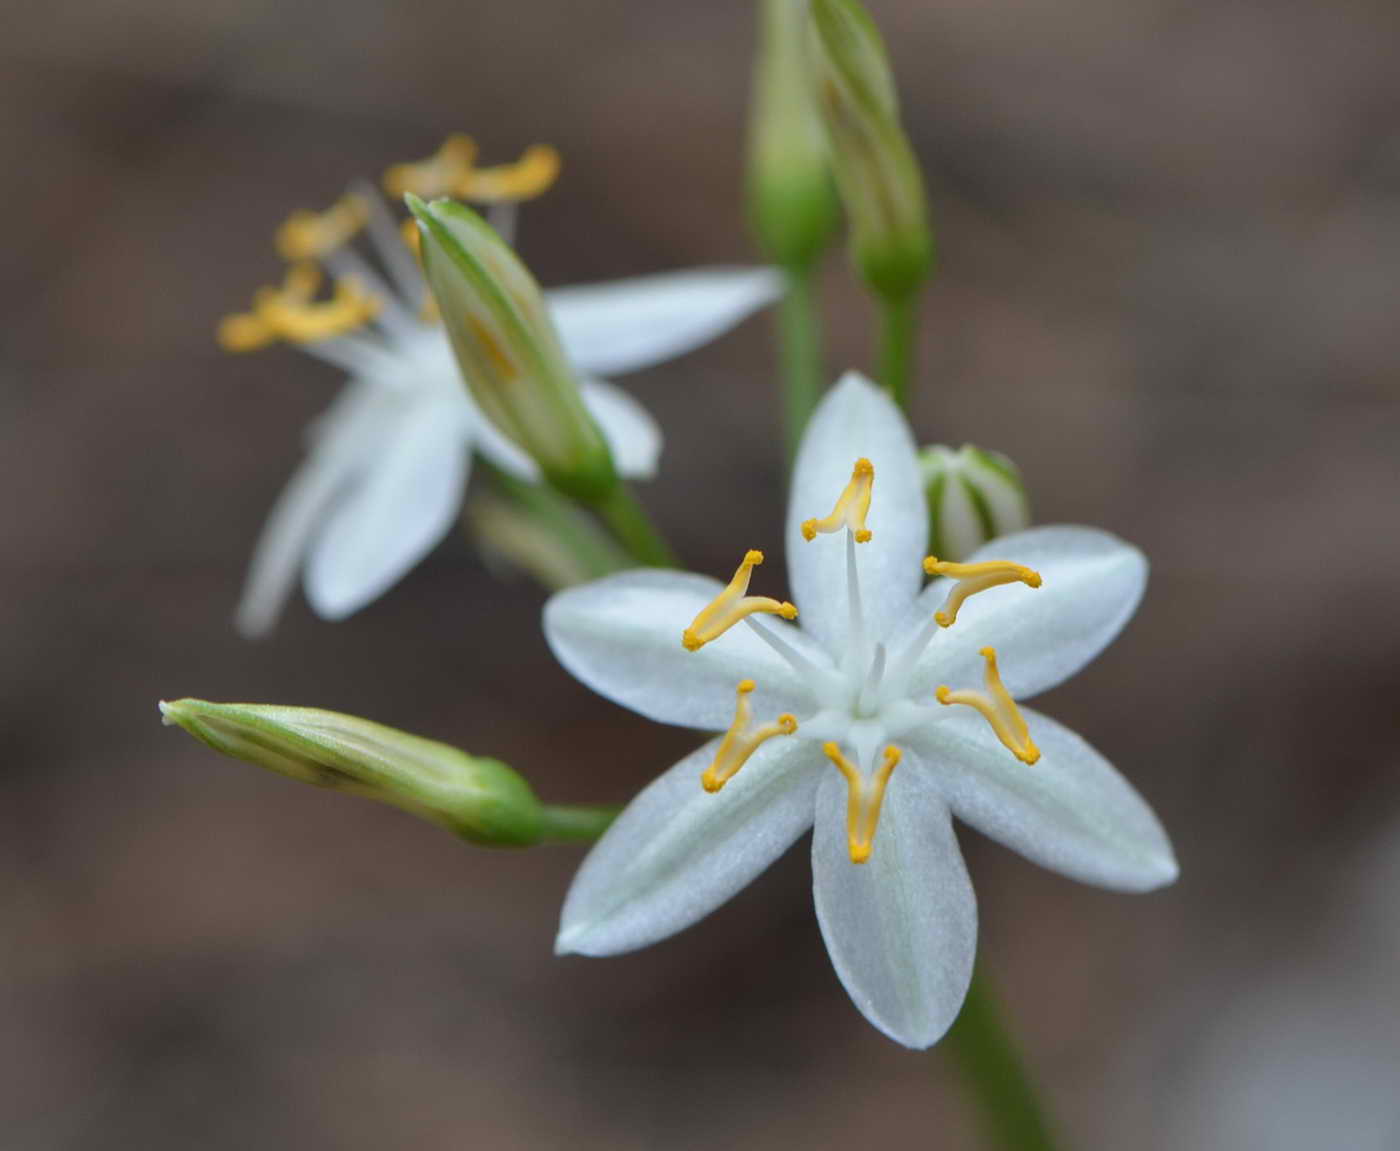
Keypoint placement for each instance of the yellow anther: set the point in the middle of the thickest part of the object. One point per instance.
(452, 171)
(973, 578)
(998, 708)
(530, 176)
(851, 509)
(732, 605)
(740, 742)
(288, 313)
(438, 175)
(313, 235)
(863, 798)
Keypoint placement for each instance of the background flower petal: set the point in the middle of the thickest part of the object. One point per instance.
(621, 635)
(677, 852)
(856, 419)
(633, 436)
(1092, 584)
(902, 927)
(402, 507)
(625, 325)
(1070, 811)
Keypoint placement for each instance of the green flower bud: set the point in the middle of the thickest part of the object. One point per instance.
(481, 800)
(973, 496)
(792, 204)
(508, 350)
(879, 178)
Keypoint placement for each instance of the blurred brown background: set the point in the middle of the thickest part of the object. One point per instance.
(1170, 234)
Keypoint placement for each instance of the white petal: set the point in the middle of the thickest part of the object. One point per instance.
(1092, 584)
(901, 927)
(340, 440)
(398, 513)
(619, 327)
(1070, 811)
(632, 435)
(678, 851)
(621, 635)
(501, 450)
(856, 419)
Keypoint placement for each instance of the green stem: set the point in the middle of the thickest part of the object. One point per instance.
(799, 352)
(897, 329)
(629, 521)
(1012, 1114)
(564, 524)
(575, 823)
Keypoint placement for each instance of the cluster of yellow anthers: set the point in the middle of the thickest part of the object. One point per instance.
(292, 312)
(865, 795)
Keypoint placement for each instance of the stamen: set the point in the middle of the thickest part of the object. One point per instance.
(732, 605)
(974, 578)
(996, 706)
(851, 508)
(288, 313)
(452, 171)
(863, 798)
(740, 742)
(313, 235)
(438, 175)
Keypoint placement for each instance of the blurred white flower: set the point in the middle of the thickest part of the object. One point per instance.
(854, 688)
(387, 463)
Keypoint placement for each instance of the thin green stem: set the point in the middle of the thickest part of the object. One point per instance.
(898, 316)
(799, 352)
(561, 527)
(629, 521)
(575, 823)
(1012, 1115)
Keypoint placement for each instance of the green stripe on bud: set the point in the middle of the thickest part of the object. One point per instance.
(508, 350)
(973, 496)
(876, 171)
(792, 204)
(481, 800)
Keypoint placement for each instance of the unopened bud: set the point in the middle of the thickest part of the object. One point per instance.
(508, 350)
(876, 171)
(973, 496)
(792, 204)
(481, 800)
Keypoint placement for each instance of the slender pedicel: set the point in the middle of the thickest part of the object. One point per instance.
(973, 578)
(732, 605)
(863, 798)
(851, 508)
(741, 741)
(996, 706)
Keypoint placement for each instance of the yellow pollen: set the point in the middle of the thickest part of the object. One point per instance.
(452, 171)
(313, 235)
(741, 741)
(495, 351)
(288, 313)
(973, 578)
(998, 708)
(851, 508)
(863, 798)
(732, 605)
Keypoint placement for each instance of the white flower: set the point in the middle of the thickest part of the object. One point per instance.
(387, 463)
(855, 685)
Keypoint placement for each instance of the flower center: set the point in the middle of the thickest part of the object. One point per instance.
(867, 698)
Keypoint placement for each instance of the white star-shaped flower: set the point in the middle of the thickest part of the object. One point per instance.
(387, 463)
(864, 738)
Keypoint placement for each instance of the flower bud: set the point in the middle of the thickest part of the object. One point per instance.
(481, 800)
(973, 496)
(508, 350)
(879, 178)
(792, 204)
